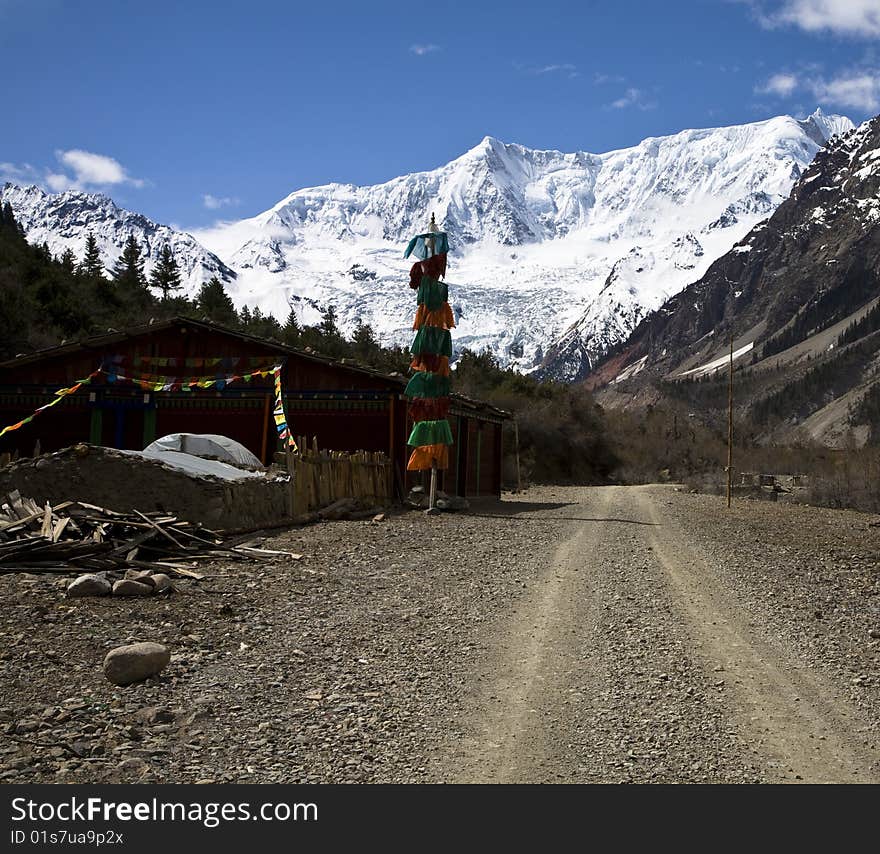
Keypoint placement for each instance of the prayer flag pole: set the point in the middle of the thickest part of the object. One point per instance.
(428, 389)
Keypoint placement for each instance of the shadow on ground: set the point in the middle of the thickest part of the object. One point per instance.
(490, 508)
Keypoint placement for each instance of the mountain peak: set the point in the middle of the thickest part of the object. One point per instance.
(487, 145)
(821, 127)
(537, 233)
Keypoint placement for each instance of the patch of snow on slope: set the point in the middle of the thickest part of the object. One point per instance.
(629, 372)
(711, 367)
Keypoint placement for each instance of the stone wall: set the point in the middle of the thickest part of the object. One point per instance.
(124, 483)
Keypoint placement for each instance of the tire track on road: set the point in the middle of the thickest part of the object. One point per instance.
(792, 715)
(523, 701)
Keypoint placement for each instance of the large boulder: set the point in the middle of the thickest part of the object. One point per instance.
(127, 587)
(135, 662)
(89, 585)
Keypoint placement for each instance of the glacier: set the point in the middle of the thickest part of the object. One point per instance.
(555, 257)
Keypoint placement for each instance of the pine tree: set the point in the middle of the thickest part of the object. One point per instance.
(215, 304)
(68, 260)
(244, 317)
(328, 325)
(91, 263)
(292, 332)
(7, 217)
(128, 274)
(364, 341)
(263, 325)
(166, 274)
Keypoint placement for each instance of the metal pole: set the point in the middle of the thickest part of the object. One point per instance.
(730, 422)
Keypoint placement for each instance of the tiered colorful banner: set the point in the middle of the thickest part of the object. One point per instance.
(428, 389)
(281, 425)
(155, 382)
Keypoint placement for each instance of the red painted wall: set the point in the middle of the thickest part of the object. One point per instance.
(238, 413)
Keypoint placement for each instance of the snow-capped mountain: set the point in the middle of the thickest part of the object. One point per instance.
(63, 221)
(796, 299)
(555, 256)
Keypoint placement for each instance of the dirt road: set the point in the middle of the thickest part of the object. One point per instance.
(634, 658)
(613, 634)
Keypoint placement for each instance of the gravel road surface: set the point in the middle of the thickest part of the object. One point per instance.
(608, 634)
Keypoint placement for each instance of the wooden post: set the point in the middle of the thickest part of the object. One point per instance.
(516, 452)
(432, 495)
(391, 425)
(267, 414)
(730, 422)
(291, 483)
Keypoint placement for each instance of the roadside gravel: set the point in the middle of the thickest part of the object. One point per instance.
(568, 634)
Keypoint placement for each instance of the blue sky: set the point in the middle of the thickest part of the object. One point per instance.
(192, 111)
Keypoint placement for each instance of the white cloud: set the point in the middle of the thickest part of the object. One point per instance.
(633, 97)
(95, 169)
(19, 173)
(857, 89)
(600, 79)
(779, 84)
(844, 17)
(566, 67)
(213, 203)
(88, 170)
(422, 49)
(58, 183)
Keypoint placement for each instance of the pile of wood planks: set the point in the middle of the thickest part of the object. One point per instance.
(75, 536)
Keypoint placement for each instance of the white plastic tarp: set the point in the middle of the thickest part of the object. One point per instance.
(205, 445)
(194, 466)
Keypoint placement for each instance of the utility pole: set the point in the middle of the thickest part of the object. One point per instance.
(730, 422)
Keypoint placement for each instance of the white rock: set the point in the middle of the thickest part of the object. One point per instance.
(89, 585)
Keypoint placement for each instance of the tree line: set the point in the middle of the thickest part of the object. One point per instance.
(46, 299)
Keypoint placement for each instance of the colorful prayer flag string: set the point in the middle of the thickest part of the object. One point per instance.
(59, 396)
(155, 382)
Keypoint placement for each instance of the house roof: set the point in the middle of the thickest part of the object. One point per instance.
(97, 342)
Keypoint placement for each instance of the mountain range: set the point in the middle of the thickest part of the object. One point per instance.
(798, 302)
(556, 257)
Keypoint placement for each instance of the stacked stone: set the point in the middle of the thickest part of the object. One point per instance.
(428, 389)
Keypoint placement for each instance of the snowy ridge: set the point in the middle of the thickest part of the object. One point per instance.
(559, 255)
(555, 256)
(63, 221)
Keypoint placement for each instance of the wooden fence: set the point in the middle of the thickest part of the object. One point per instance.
(320, 478)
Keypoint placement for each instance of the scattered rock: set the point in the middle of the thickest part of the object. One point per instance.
(127, 587)
(153, 715)
(135, 662)
(89, 585)
(160, 582)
